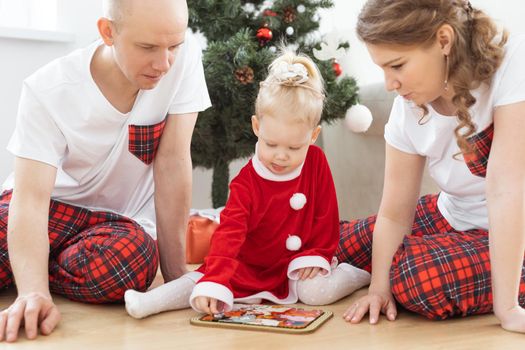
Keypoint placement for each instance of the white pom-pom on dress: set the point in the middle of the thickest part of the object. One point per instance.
(293, 243)
(298, 201)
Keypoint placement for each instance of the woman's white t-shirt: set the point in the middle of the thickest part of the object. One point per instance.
(462, 200)
(65, 121)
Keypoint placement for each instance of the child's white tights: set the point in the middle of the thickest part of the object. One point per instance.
(321, 290)
(173, 295)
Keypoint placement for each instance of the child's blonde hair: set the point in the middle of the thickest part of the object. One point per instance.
(294, 85)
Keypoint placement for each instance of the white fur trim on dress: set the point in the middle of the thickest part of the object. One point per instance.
(266, 174)
(290, 299)
(212, 290)
(307, 261)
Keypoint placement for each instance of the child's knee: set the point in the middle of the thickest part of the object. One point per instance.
(323, 290)
(312, 291)
(307, 293)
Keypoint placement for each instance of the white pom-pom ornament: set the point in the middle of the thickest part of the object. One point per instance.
(293, 243)
(249, 7)
(358, 118)
(297, 201)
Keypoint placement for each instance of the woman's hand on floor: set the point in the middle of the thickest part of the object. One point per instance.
(373, 303)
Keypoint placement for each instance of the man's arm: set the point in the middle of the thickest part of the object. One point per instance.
(173, 180)
(28, 242)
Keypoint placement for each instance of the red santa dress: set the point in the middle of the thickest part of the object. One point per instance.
(248, 258)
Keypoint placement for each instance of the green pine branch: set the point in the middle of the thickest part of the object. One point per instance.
(235, 61)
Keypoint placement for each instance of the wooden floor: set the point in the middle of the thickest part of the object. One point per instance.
(103, 327)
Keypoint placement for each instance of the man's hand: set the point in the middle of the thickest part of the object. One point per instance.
(35, 311)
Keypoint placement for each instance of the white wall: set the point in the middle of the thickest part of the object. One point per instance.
(343, 18)
(19, 58)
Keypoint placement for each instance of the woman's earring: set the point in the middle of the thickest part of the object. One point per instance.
(446, 72)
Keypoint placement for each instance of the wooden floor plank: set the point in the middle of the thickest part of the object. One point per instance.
(102, 327)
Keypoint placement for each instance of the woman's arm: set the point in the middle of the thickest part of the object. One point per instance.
(402, 183)
(506, 206)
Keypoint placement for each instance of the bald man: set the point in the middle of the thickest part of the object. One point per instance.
(102, 166)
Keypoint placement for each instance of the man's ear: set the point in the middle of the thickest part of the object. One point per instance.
(445, 37)
(255, 125)
(106, 30)
(316, 133)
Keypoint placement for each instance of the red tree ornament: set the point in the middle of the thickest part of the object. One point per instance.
(337, 68)
(264, 35)
(269, 13)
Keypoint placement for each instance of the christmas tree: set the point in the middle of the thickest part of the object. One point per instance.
(242, 37)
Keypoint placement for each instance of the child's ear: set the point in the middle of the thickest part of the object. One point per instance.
(255, 125)
(316, 133)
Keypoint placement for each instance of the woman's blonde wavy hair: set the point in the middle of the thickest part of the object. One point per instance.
(474, 57)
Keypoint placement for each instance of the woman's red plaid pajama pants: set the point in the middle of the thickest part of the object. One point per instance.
(437, 271)
(94, 256)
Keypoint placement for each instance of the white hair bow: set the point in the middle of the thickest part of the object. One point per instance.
(295, 73)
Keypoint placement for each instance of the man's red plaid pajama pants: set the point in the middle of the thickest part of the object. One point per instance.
(94, 256)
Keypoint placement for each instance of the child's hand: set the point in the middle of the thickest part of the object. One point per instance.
(308, 272)
(209, 305)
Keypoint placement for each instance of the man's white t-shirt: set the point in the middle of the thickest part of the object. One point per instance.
(462, 200)
(64, 120)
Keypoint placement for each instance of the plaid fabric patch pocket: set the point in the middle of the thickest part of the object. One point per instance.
(144, 140)
(478, 158)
